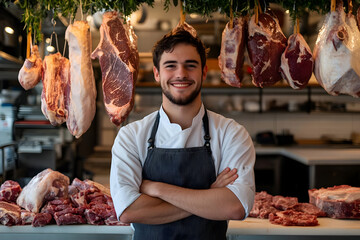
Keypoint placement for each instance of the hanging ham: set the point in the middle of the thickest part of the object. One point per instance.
(185, 26)
(297, 62)
(266, 43)
(119, 62)
(30, 73)
(56, 78)
(337, 54)
(231, 56)
(81, 91)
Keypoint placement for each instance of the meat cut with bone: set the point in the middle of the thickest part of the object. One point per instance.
(119, 62)
(56, 78)
(231, 56)
(266, 43)
(337, 54)
(31, 72)
(81, 91)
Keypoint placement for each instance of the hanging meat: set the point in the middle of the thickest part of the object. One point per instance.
(231, 56)
(119, 62)
(56, 79)
(266, 43)
(30, 73)
(185, 26)
(297, 62)
(337, 54)
(81, 91)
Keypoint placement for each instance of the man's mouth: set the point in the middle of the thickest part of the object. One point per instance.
(182, 84)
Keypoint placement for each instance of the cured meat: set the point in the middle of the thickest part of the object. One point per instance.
(337, 54)
(265, 45)
(231, 56)
(81, 90)
(31, 72)
(297, 62)
(9, 214)
(9, 191)
(45, 186)
(56, 78)
(338, 202)
(119, 62)
(293, 218)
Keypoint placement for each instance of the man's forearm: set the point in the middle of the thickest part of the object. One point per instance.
(216, 203)
(150, 210)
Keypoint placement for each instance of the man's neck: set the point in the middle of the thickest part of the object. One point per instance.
(182, 115)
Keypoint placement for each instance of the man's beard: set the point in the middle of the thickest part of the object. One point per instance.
(181, 101)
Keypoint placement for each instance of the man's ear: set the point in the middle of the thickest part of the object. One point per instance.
(205, 69)
(156, 74)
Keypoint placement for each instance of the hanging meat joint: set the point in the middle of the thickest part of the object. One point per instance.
(30, 73)
(81, 91)
(231, 56)
(337, 54)
(119, 61)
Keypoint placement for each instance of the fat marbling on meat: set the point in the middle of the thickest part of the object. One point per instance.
(231, 56)
(119, 61)
(297, 62)
(266, 43)
(337, 54)
(31, 72)
(81, 91)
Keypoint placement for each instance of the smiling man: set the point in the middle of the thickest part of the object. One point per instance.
(182, 171)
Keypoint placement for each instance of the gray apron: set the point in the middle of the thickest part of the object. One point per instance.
(185, 167)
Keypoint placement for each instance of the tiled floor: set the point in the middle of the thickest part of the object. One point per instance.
(98, 164)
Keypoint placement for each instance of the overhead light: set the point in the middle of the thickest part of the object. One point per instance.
(287, 11)
(9, 30)
(89, 18)
(48, 40)
(50, 48)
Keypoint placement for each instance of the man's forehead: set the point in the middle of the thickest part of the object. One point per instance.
(181, 53)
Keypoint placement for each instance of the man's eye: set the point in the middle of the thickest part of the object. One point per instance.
(191, 66)
(170, 66)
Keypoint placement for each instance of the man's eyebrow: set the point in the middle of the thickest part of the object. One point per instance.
(191, 61)
(187, 61)
(169, 62)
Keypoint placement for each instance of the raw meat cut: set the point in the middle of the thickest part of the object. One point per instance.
(81, 91)
(45, 186)
(31, 72)
(284, 203)
(265, 45)
(293, 218)
(262, 209)
(297, 62)
(9, 214)
(119, 62)
(27, 217)
(231, 56)
(9, 191)
(56, 78)
(41, 219)
(309, 209)
(185, 26)
(338, 202)
(337, 54)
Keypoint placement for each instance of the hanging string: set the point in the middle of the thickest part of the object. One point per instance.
(81, 11)
(297, 25)
(182, 14)
(28, 45)
(350, 6)
(231, 15)
(333, 5)
(54, 34)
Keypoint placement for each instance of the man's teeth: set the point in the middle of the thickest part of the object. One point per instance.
(180, 84)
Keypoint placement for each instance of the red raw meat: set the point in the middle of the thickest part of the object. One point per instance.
(9, 191)
(31, 72)
(309, 209)
(284, 203)
(9, 214)
(41, 219)
(293, 218)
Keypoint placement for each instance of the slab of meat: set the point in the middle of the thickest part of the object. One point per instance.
(27, 217)
(45, 186)
(297, 62)
(337, 54)
(338, 202)
(284, 203)
(81, 91)
(119, 62)
(265, 45)
(31, 72)
(309, 209)
(9, 191)
(231, 58)
(56, 78)
(9, 214)
(185, 26)
(293, 218)
(262, 209)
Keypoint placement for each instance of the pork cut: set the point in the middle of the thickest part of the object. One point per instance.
(231, 58)
(55, 79)
(293, 218)
(338, 202)
(266, 43)
(9, 214)
(337, 54)
(81, 90)
(119, 61)
(9, 191)
(45, 186)
(297, 62)
(30, 73)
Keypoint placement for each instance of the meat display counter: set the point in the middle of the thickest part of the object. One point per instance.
(251, 228)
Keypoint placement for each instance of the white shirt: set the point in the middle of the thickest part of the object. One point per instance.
(230, 143)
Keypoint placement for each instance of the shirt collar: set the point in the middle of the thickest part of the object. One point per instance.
(165, 119)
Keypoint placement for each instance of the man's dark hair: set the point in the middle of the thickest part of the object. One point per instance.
(170, 40)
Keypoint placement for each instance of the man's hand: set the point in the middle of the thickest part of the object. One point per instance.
(225, 178)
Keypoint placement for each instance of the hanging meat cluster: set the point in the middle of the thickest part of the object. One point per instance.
(30, 73)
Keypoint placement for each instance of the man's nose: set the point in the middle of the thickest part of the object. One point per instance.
(182, 72)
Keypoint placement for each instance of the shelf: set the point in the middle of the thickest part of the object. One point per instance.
(34, 124)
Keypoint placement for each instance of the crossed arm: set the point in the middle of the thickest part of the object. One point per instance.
(162, 203)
